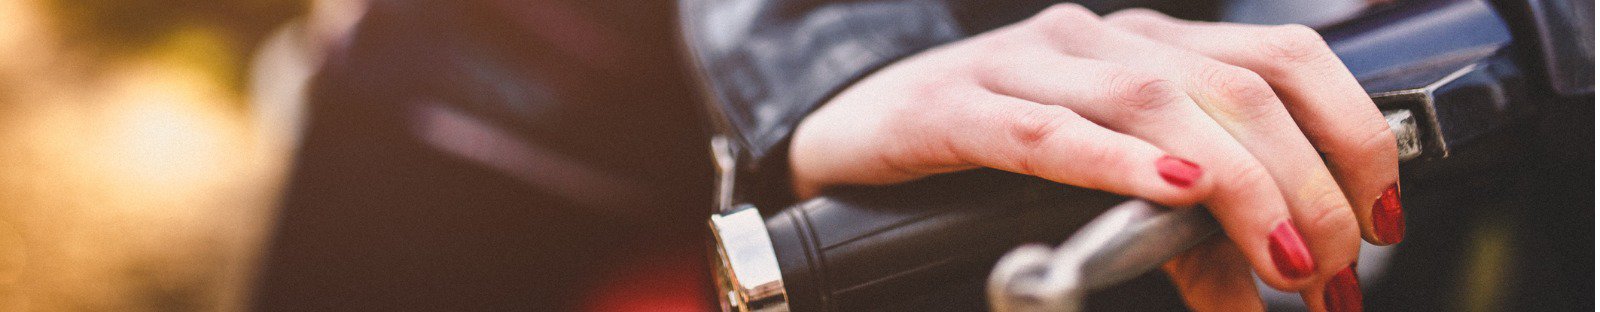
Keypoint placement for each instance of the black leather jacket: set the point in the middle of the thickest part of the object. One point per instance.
(767, 64)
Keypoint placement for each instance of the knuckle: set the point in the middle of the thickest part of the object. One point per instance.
(1331, 207)
(1334, 219)
(1246, 176)
(1236, 83)
(1033, 129)
(1039, 124)
(1138, 92)
(1241, 91)
(1138, 19)
(1137, 15)
(1065, 19)
(1295, 44)
(1067, 11)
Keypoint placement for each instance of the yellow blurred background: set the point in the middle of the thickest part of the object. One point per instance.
(135, 172)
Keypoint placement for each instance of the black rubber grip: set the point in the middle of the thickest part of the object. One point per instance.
(920, 246)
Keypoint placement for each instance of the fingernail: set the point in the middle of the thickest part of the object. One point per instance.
(1388, 220)
(1289, 252)
(1343, 292)
(1177, 171)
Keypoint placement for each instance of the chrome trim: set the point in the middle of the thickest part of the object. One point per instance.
(1406, 138)
(746, 267)
(722, 152)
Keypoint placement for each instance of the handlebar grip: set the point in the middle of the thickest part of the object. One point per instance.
(919, 245)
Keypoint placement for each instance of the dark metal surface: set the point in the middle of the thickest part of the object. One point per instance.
(1564, 30)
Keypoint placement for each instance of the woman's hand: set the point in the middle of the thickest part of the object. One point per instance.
(1180, 113)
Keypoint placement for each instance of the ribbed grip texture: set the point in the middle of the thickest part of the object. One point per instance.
(921, 246)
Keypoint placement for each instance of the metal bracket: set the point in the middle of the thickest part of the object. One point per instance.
(1414, 117)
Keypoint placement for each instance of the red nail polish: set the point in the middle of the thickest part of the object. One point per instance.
(1177, 171)
(1388, 220)
(1289, 252)
(1343, 292)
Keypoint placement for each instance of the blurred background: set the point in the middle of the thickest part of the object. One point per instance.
(147, 150)
(136, 171)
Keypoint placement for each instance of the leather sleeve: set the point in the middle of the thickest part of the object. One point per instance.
(766, 64)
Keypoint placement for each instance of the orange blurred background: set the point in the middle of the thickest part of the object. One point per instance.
(138, 161)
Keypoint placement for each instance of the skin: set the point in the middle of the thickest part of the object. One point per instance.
(1094, 101)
